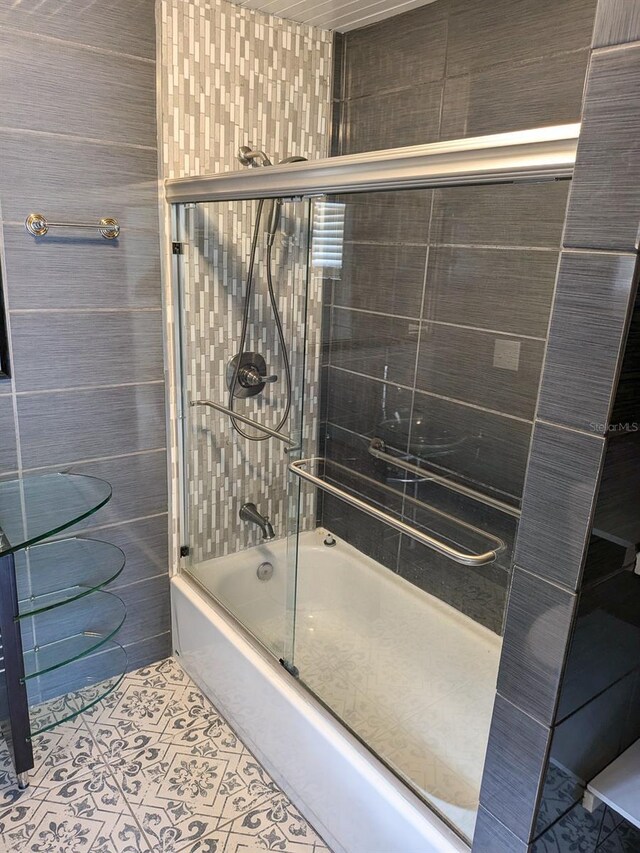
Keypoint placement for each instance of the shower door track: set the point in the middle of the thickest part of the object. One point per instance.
(538, 154)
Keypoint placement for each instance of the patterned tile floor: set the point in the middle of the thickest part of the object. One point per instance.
(153, 767)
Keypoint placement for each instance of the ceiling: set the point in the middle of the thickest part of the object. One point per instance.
(341, 15)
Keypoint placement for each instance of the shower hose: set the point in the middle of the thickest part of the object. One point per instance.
(245, 323)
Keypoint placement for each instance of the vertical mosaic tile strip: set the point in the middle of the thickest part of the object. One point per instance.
(235, 77)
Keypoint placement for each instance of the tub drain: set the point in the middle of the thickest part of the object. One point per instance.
(264, 571)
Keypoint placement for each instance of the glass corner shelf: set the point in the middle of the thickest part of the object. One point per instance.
(56, 573)
(37, 507)
(96, 676)
(54, 640)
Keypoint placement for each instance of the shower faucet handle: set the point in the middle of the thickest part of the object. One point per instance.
(272, 378)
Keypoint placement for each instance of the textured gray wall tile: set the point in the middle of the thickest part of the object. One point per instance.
(117, 92)
(536, 638)
(64, 271)
(361, 404)
(399, 52)
(120, 25)
(150, 605)
(617, 21)
(509, 290)
(145, 545)
(496, 371)
(371, 537)
(90, 348)
(512, 97)
(516, 757)
(388, 217)
(139, 484)
(594, 292)
(391, 120)
(149, 651)
(617, 512)
(604, 203)
(492, 836)
(59, 428)
(485, 448)
(562, 479)
(375, 345)
(502, 215)
(482, 34)
(382, 278)
(478, 593)
(68, 184)
(8, 455)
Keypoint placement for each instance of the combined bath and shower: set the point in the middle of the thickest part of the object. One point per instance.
(244, 375)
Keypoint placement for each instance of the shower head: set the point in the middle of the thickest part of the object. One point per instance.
(273, 217)
(249, 157)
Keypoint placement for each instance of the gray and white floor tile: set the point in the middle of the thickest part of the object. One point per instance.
(153, 767)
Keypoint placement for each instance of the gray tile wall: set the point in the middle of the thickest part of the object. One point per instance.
(441, 311)
(78, 142)
(571, 656)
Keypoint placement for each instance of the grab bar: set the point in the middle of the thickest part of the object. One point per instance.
(38, 225)
(226, 411)
(297, 468)
(377, 449)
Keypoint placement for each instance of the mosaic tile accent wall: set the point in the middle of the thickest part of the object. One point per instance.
(232, 77)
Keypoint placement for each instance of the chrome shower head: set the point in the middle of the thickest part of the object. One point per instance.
(250, 157)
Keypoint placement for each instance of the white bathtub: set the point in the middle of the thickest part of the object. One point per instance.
(412, 677)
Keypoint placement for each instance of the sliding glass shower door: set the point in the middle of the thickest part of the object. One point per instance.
(436, 305)
(239, 505)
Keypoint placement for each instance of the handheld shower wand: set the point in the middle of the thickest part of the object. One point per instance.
(252, 158)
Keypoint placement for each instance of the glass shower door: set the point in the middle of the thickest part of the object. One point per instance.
(436, 305)
(236, 513)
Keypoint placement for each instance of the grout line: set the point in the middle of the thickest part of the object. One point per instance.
(571, 429)
(121, 523)
(86, 311)
(91, 48)
(87, 388)
(91, 140)
(67, 465)
(436, 396)
(389, 316)
(473, 246)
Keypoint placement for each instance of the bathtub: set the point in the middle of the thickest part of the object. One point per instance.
(411, 676)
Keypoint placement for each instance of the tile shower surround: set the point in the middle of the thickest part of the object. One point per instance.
(442, 305)
(85, 314)
(237, 77)
(569, 681)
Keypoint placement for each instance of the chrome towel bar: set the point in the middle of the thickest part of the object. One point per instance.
(38, 225)
(377, 448)
(298, 468)
(226, 411)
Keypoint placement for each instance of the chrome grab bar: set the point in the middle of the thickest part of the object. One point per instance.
(38, 225)
(377, 449)
(298, 467)
(226, 411)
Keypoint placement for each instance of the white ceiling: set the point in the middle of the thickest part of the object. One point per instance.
(341, 15)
